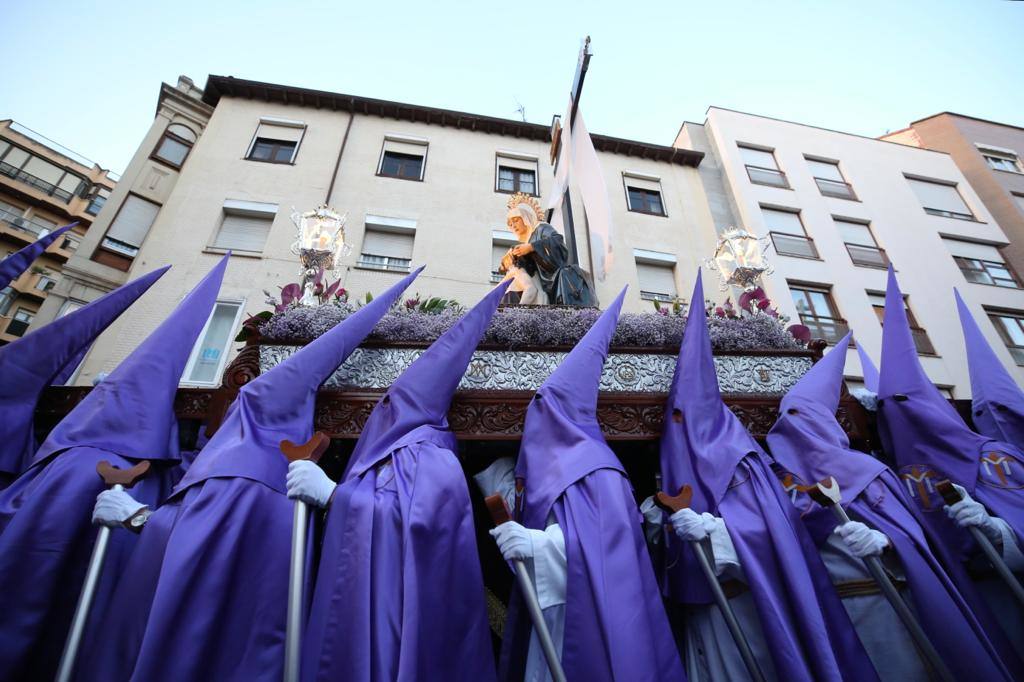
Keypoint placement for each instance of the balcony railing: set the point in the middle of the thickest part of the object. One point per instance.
(922, 342)
(948, 214)
(831, 329)
(36, 182)
(390, 263)
(835, 188)
(767, 176)
(800, 246)
(25, 224)
(656, 296)
(868, 256)
(1017, 353)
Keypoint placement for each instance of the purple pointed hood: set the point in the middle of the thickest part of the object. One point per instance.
(917, 424)
(29, 365)
(997, 402)
(131, 412)
(18, 262)
(279, 405)
(809, 442)
(562, 440)
(421, 396)
(702, 440)
(868, 369)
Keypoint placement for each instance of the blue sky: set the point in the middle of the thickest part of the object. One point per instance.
(88, 74)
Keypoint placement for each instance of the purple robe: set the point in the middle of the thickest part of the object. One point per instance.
(32, 363)
(809, 445)
(399, 592)
(997, 402)
(808, 631)
(18, 262)
(615, 624)
(205, 595)
(47, 536)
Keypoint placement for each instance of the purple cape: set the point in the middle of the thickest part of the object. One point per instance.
(46, 535)
(703, 444)
(30, 364)
(930, 442)
(616, 626)
(205, 594)
(18, 262)
(997, 402)
(399, 592)
(810, 445)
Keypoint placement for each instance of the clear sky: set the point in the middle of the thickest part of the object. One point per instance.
(87, 74)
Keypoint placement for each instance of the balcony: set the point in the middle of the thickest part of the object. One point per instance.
(772, 177)
(389, 263)
(868, 256)
(27, 229)
(798, 246)
(656, 296)
(835, 188)
(831, 329)
(38, 183)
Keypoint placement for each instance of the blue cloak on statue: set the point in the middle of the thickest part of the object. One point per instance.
(46, 533)
(205, 594)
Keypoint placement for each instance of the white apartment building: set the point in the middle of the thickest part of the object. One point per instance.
(222, 169)
(838, 208)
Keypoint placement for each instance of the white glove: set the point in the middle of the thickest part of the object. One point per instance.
(862, 541)
(307, 482)
(653, 514)
(691, 526)
(968, 512)
(513, 540)
(114, 507)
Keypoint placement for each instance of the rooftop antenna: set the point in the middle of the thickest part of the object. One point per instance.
(521, 110)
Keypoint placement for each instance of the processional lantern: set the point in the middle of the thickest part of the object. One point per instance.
(319, 244)
(739, 259)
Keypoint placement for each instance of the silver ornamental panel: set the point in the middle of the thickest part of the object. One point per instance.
(377, 368)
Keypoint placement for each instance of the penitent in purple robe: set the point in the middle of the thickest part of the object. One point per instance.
(808, 632)
(997, 402)
(18, 262)
(615, 624)
(205, 594)
(399, 592)
(30, 364)
(46, 532)
(809, 444)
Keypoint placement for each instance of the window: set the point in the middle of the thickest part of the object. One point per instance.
(9, 212)
(97, 201)
(244, 227)
(982, 263)
(45, 282)
(516, 173)
(860, 243)
(276, 140)
(387, 244)
(762, 168)
(7, 296)
(830, 180)
(818, 312)
(999, 160)
(501, 242)
(940, 198)
(174, 146)
(656, 273)
(20, 322)
(921, 340)
(1019, 200)
(403, 157)
(209, 354)
(40, 174)
(788, 234)
(1011, 330)
(129, 229)
(643, 193)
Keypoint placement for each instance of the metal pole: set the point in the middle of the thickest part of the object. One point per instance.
(296, 583)
(92, 576)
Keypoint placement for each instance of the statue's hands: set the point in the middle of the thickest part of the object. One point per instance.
(521, 249)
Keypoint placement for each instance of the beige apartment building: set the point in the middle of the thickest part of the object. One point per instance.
(42, 187)
(837, 209)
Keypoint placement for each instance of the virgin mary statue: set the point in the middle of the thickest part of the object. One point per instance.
(542, 258)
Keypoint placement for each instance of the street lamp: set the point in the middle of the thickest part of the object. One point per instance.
(739, 259)
(319, 244)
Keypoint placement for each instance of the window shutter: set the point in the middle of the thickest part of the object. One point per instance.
(658, 279)
(498, 252)
(405, 147)
(133, 221)
(758, 157)
(973, 250)
(511, 162)
(855, 233)
(828, 171)
(280, 132)
(783, 221)
(243, 232)
(44, 170)
(648, 183)
(390, 244)
(938, 196)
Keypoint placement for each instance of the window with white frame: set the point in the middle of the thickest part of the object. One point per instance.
(860, 243)
(387, 244)
(830, 180)
(1010, 326)
(501, 242)
(276, 140)
(656, 273)
(787, 232)
(940, 198)
(46, 281)
(516, 172)
(244, 226)
(211, 350)
(174, 145)
(130, 226)
(981, 263)
(403, 157)
(762, 168)
(643, 193)
(1000, 159)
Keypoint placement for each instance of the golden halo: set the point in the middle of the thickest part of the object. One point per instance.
(524, 198)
